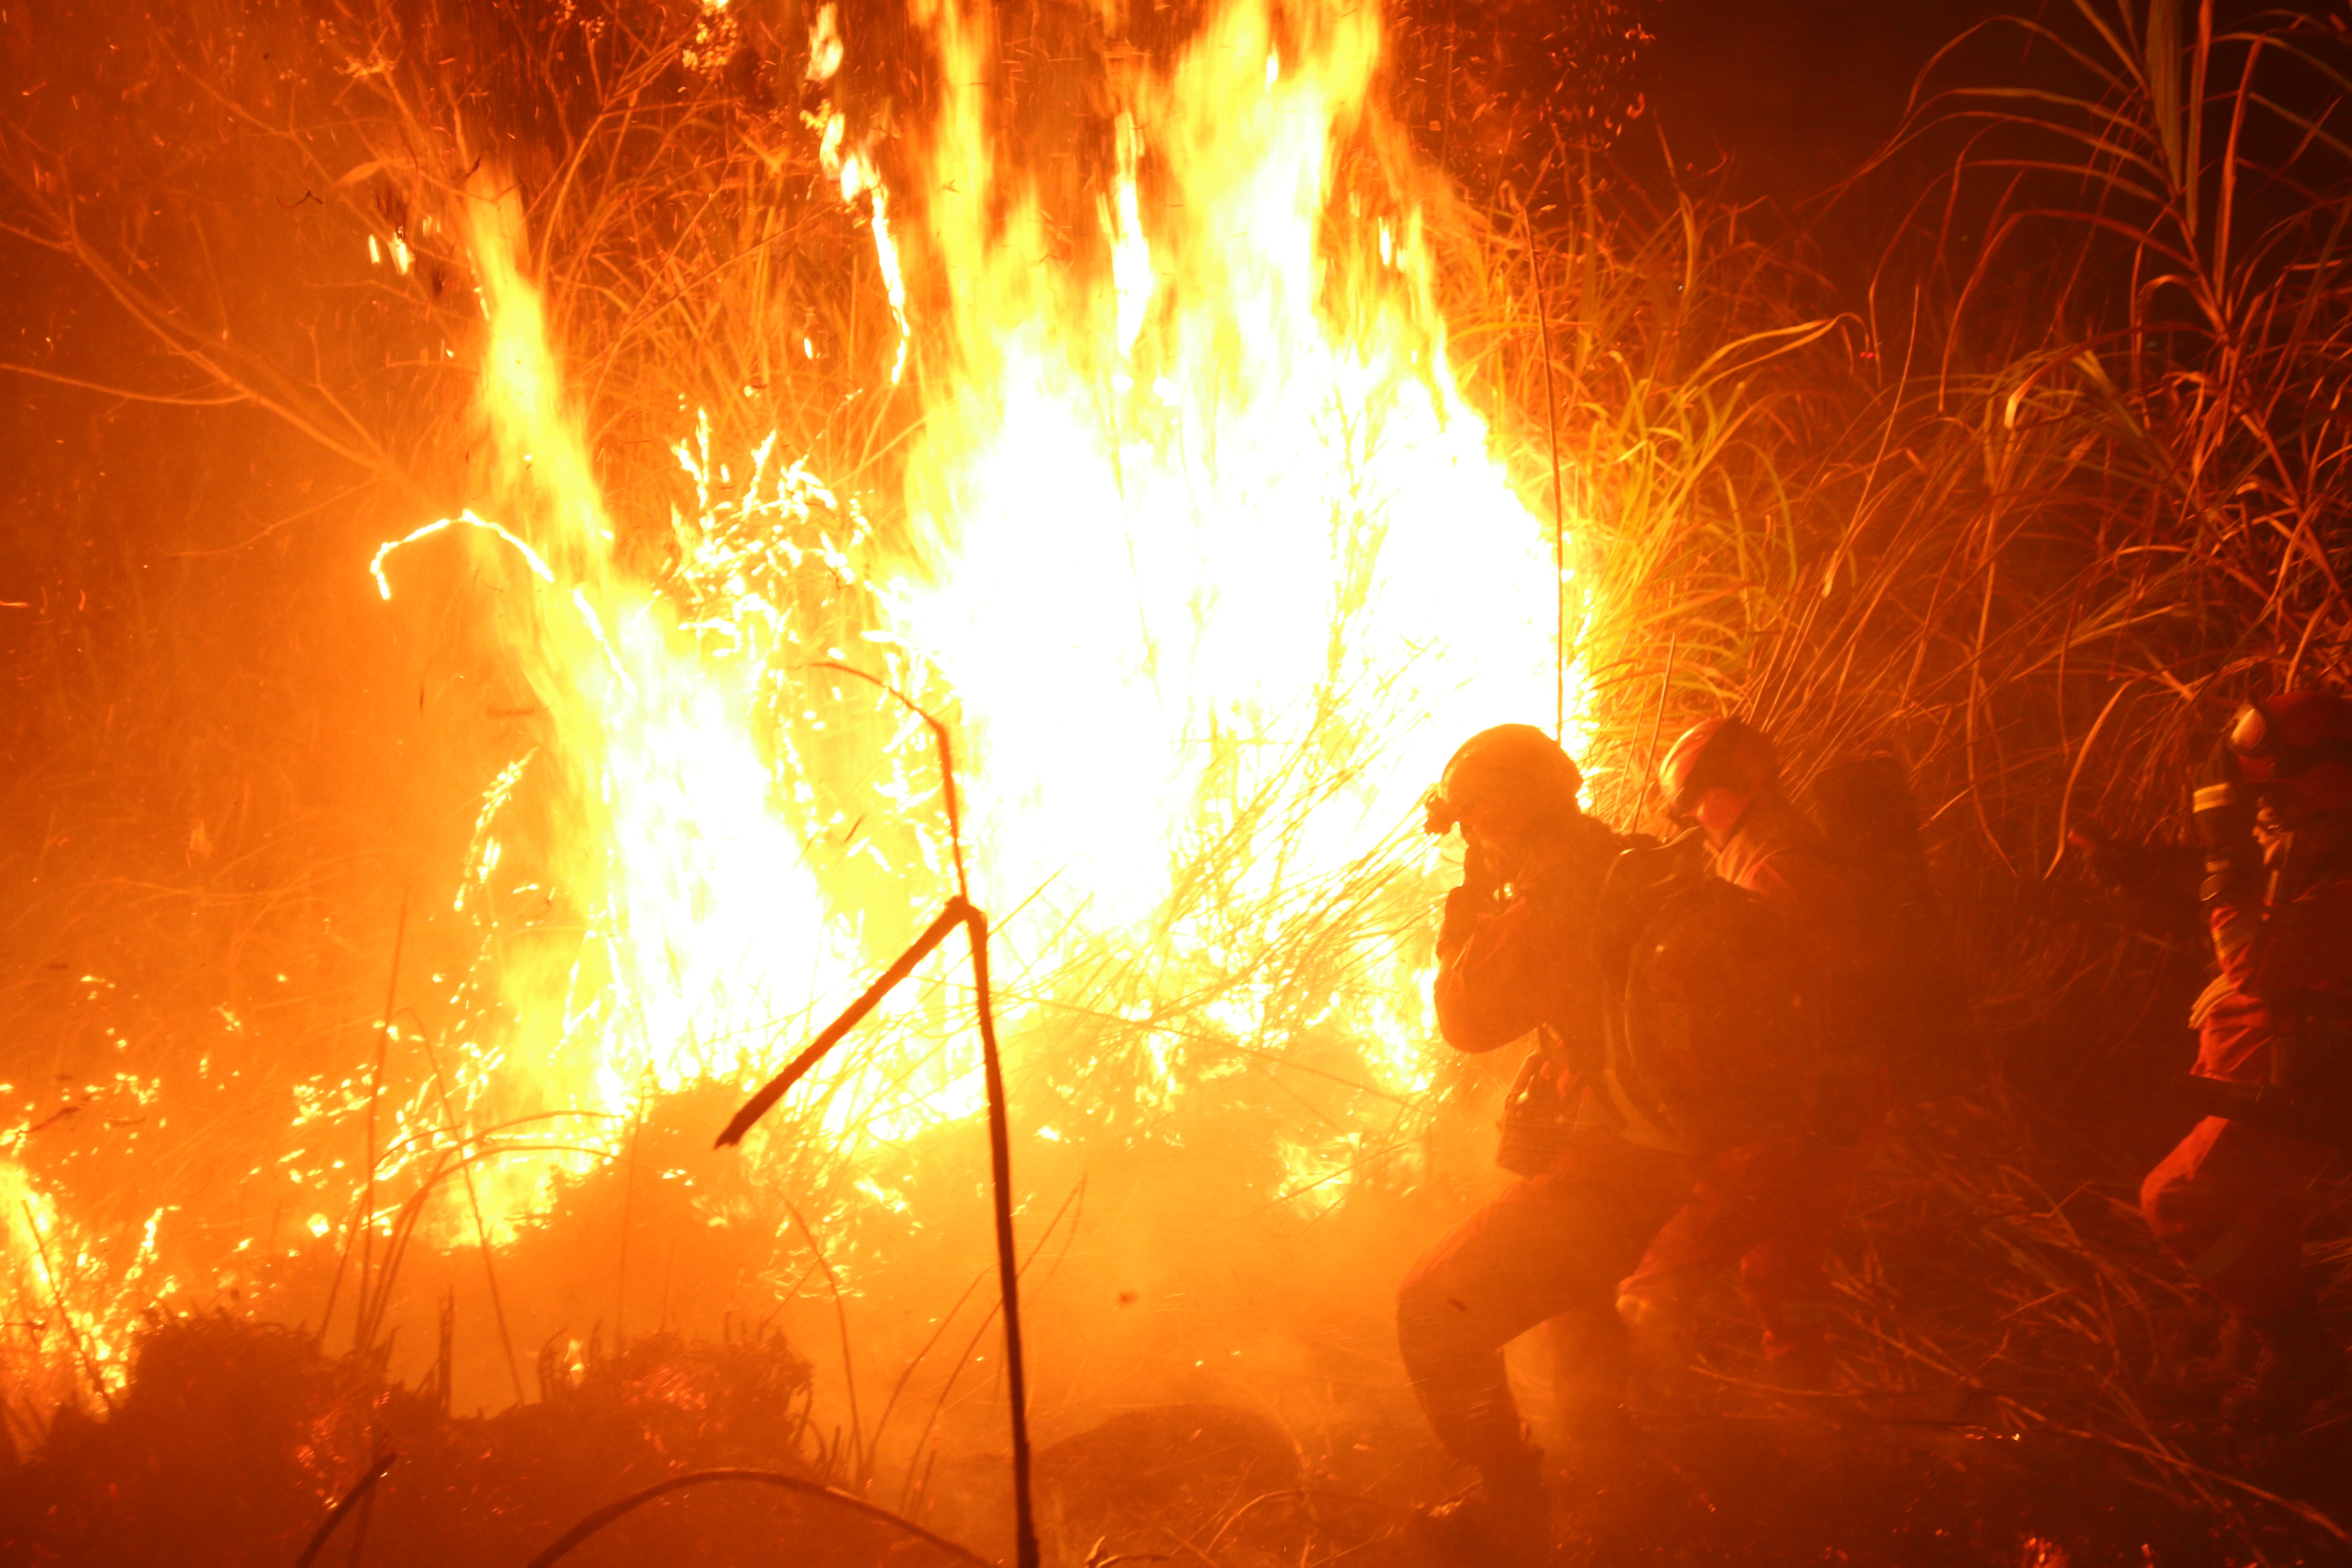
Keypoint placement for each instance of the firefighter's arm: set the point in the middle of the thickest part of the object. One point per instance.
(2152, 888)
(2224, 808)
(1489, 988)
(1480, 895)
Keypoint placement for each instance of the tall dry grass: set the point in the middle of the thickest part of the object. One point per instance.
(2032, 510)
(2032, 513)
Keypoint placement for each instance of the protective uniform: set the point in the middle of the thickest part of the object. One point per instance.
(1509, 966)
(1513, 962)
(2229, 1201)
(1773, 1205)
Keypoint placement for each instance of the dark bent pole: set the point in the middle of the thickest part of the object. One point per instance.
(759, 1104)
(1008, 1264)
(959, 911)
(634, 1501)
(359, 1488)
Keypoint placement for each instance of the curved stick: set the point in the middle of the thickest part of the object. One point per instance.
(634, 1501)
(359, 1488)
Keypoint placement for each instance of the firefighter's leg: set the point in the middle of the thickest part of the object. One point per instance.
(1800, 1194)
(1714, 1225)
(1554, 1243)
(2227, 1202)
(1588, 1355)
(1711, 1229)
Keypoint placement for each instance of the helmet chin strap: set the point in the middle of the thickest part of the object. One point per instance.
(1721, 810)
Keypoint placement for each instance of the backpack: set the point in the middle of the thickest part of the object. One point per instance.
(1711, 995)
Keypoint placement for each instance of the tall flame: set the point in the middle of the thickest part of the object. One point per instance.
(1200, 550)
(1213, 563)
(1221, 512)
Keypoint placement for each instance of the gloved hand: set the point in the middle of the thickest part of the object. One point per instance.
(2223, 806)
(1464, 904)
(1480, 874)
(2114, 865)
(2151, 887)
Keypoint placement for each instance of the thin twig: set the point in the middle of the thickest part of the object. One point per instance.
(365, 1219)
(1558, 515)
(481, 1229)
(65, 1315)
(775, 1088)
(359, 1488)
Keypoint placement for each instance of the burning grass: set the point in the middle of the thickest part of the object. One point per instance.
(770, 339)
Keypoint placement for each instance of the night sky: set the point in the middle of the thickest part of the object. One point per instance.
(1793, 93)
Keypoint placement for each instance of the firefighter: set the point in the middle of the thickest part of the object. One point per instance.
(1771, 1201)
(2273, 813)
(1516, 959)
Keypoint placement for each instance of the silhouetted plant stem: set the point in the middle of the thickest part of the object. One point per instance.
(960, 910)
(65, 1316)
(359, 1488)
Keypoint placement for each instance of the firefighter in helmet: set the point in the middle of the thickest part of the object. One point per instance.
(2273, 813)
(1770, 1200)
(1516, 960)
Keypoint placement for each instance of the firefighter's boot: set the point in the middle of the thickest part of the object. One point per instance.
(1504, 1522)
(2299, 1365)
(2194, 1383)
(1658, 1341)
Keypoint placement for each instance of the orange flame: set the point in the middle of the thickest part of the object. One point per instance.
(1216, 565)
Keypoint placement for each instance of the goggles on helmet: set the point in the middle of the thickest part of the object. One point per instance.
(2287, 736)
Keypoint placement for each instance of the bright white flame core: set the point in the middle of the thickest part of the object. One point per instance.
(1183, 509)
